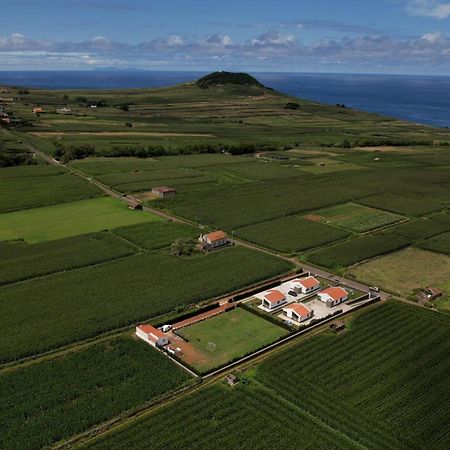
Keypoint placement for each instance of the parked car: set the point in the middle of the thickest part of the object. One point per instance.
(293, 293)
(166, 328)
(374, 288)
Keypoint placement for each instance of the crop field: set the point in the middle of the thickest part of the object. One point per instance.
(403, 271)
(69, 219)
(291, 234)
(319, 166)
(40, 185)
(156, 235)
(393, 351)
(219, 417)
(439, 243)
(421, 229)
(87, 387)
(402, 205)
(228, 336)
(355, 217)
(20, 261)
(357, 249)
(73, 306)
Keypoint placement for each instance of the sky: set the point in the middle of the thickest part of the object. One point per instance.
(349, 36)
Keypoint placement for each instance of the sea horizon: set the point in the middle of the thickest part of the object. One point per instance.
(423, 99)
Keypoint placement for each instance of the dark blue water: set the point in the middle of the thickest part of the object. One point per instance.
(422, 99)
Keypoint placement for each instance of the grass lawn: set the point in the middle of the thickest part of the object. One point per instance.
(356, 217)
(406, 270)
(329, 166)
(234, 333)
(69, 219)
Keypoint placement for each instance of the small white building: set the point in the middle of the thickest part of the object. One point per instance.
(333, 296)
(298, 312)
(152, 335)
(273, 299)
(305, 285)
(214, 239)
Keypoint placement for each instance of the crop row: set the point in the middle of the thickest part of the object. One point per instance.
(55, 399)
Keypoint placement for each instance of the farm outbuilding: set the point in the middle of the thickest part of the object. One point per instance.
(298, 312)
(152, 335)
(214, 240)
(164, 192)
(305, 285)
(333, 296)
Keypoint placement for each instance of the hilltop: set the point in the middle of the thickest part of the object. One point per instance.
(219, 78)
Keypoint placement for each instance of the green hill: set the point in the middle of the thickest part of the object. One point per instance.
(218, 78)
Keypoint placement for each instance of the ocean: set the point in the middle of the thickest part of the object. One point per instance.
(421, 99)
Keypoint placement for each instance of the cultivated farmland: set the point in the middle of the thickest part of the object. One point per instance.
(439, 243)
(69, 219)
(396, 352)
(87, 387)
(72, 306)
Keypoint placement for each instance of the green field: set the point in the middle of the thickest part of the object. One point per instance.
(383, 384)
(155, 235)
(40, 186)
(234, 334)
(440, 243)
(69, 219)
(51, 400)
(291, 234)
(21, 261)
(72, 306)
(218, 418)
(408, 269)
(358, 249)
(356, 217)
(421, 229)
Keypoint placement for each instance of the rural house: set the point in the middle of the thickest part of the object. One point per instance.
(38, 110)
(213, 240)
(333, 296)
(164, 192)
(152, 335)
(298, 312)
(273, 299)
(305, 285)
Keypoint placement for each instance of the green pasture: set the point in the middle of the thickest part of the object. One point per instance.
(228, 336)
(69, 219)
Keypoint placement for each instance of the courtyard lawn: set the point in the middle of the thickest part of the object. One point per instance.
(69, 219)
(406, 270)
(355, 217)
(229, 336)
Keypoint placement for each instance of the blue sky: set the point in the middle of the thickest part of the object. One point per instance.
(372, 36)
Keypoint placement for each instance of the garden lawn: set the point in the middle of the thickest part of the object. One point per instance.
(406, 270)
(233, 334)
(69, 219)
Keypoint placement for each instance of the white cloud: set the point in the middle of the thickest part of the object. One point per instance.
(430, 8)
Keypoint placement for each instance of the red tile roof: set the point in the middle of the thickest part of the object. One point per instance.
(307, 282)
(149, 330)
(164, 189)
(336, 293)
(216, 236)
(299, 308)
(274, 296)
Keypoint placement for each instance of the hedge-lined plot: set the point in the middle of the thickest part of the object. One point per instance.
(439, 244)
(218, 418)
(69, 219)
(410, 206)
(369, 383)
(354, 250)
(20, 261)
(63, 308)
(32, 186)
(56, 399)
(154, 235)
(291, 234)
(421, 228)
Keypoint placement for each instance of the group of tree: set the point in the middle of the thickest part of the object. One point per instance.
(68, 153)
